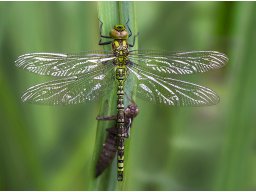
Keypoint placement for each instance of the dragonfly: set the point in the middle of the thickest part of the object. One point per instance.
(86, 76)
(110, 145)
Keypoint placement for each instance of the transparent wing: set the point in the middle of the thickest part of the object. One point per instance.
(158, 89)
(57, 64)
(71, 90)
(178, 62)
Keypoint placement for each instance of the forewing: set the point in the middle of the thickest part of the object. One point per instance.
(63, 65)
(170, 91)
(71, 90)
(178, 62)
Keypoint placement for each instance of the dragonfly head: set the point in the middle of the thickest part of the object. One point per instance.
(131, 111)
(119, 32)
(119, 28)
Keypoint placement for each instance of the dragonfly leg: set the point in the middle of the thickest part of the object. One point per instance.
(106, 118)
(134, 38)
(104, 43)
(130, 31)
(103, 36)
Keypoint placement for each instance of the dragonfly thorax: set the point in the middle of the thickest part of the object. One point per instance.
(120, 48)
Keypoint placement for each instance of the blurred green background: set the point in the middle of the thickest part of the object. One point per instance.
(205, 148)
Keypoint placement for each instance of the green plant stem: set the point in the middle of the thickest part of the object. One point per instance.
(111, 13)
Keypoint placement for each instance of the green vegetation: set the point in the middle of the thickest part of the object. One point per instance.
(205, 148)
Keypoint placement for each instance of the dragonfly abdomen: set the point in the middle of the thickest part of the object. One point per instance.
(120, 76)
(120, 50)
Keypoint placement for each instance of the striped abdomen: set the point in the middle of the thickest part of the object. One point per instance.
(120, 50)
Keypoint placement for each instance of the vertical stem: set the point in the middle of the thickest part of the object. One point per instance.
(111, 13)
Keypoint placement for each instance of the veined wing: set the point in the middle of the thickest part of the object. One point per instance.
(170, 91)
(71, 90)
(178, 62)
(63, 65)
